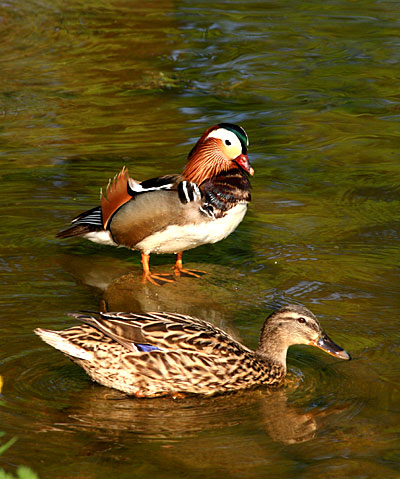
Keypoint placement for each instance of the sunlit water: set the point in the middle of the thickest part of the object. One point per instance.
(87, 87)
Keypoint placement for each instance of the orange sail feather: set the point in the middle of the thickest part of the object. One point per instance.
(116, 195)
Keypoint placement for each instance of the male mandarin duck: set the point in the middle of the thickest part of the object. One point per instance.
(174, 213)
(156, 354)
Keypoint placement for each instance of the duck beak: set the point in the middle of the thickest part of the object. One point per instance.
(244, 163)
(325, 343)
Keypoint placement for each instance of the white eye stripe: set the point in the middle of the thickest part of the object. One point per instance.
(229, 138)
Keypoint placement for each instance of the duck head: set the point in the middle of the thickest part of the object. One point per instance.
(294, 324)
(221, 148)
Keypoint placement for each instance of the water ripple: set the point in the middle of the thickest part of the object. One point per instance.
(63, 398)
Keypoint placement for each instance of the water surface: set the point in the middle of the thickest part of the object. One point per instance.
(87, 87)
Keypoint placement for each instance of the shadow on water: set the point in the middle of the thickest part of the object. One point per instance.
(211, 297)
(194, 432)
(66, 402)
(110, 415)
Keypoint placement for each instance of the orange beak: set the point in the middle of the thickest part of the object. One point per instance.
(325, 343)
(244, 163)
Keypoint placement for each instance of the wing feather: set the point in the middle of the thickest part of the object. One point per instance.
(116, 195)
(167, 331)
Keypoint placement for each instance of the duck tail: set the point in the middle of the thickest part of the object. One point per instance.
(90, 221)
(78, 230)
(55, 339)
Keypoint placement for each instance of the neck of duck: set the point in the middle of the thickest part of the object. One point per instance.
(205, 161)
(272, 347)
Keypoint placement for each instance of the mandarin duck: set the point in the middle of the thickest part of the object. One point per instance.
(174, 213)
(156, 354)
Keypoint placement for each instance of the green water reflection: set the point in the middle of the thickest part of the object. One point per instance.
(87, 87)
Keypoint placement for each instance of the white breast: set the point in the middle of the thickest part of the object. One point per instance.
(180, 238)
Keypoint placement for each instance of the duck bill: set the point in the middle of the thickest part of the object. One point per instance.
(244, 163)
(325, 343)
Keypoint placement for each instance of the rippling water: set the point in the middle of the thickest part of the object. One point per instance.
(87, 87)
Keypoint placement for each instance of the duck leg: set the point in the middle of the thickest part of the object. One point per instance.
(180, 270)
(156, 279)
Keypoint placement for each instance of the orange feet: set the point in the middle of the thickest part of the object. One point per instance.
(156, 279)
(180, 270)
(159, 279)
(188, 272)
(178, 396)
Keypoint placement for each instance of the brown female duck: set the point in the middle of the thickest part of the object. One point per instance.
(174, 213)
(154, 354)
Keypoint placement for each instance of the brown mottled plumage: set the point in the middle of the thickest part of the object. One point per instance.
(154, 354)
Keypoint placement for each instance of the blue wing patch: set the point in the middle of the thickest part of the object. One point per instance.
(145, 348)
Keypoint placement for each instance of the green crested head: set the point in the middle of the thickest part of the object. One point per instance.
(239, 132)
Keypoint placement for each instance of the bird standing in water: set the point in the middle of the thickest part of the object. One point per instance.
(174, 213)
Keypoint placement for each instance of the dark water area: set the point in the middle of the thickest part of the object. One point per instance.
(87, 87)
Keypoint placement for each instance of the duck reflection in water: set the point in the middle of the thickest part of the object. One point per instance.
(121, 289)
(111, 415)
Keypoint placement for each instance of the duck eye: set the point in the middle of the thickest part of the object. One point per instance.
(301, 320)
(228, 143)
